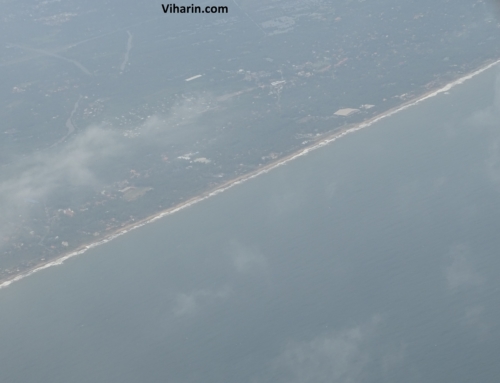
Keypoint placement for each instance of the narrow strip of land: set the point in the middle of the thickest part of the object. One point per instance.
(127, 53)
(69, 123)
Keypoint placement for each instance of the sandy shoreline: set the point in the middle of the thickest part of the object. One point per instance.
(239, 180)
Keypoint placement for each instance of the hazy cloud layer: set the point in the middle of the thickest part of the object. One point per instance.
(246, 259)
(83, 160)
(488, 120)
(460, 271)
(191, 303)
(178, 126)
(462, 276)
(336, 357)
(72, 165)
(476, 319)
(44, 173)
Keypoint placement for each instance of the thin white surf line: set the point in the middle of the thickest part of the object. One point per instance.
(250, 176)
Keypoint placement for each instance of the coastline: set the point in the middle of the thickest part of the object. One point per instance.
(321, 142)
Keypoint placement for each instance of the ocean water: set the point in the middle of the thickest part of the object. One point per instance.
(374, 259)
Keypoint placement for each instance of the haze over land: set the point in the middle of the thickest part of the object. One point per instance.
(100, 128)
(356, 237)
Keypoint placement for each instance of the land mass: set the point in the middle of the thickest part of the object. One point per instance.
(110, 124)
(314, 145)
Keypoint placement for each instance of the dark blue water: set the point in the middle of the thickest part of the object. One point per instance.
(375, 259)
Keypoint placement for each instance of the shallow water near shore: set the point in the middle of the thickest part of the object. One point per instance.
(372, 259)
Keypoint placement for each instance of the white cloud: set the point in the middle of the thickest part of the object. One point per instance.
(83, 161)
(193, 302)
(72, 164)
(331, 189)
(246, 259)
(178, 126)
(337, 357)
(45, 172)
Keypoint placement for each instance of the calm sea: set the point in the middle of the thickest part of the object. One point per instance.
(375, 259)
